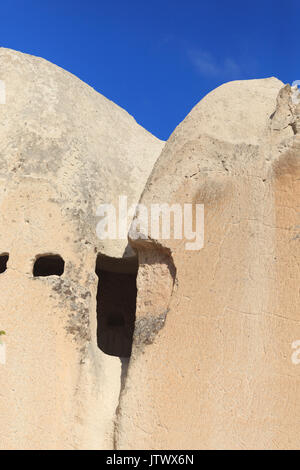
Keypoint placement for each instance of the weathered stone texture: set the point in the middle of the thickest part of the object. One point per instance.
(219, 374)
(211, 363)
(64, 149)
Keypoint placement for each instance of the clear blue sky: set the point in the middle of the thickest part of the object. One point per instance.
(157, 59)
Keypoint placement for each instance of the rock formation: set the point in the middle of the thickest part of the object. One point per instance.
(212, 365)
(64, 149)
(215, 328)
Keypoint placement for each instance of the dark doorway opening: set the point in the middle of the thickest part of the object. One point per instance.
(48, 265)
(116, 304)
(3, 262)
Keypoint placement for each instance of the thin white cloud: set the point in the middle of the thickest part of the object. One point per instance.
(231, 68)
(207, 66)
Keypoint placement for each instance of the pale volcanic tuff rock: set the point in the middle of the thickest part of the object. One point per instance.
(64, 149)
(211, 366)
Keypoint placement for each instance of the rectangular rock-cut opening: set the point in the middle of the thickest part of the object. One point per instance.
(3, 262)
(48, 265)
(116, 304)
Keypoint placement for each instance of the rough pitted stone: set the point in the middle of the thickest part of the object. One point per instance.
(211, 364)
(219, 374)
(64, 149)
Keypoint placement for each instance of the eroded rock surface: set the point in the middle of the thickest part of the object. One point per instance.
(219, 373)
(64, 149)
(211, 364)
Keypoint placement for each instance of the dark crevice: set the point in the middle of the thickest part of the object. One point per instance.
(116, 304)
(157, 281)
(48, 265)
